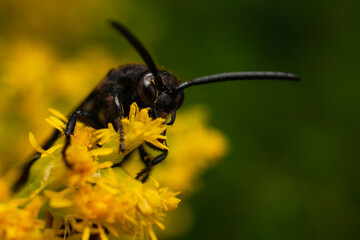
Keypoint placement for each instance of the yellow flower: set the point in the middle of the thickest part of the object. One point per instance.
(138, 128)
(91, 198)
(21, 224)
(117, 202)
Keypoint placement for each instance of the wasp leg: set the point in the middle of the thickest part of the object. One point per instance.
(149, 165)
(119, 113)
(70, 127)
(146, 159)
(150, 161)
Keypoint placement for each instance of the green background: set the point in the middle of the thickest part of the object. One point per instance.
(292, 168)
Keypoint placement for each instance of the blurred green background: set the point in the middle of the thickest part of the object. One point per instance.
(292, 168)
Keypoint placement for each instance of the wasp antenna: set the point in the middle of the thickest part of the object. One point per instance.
(140, 49)
(230, 76)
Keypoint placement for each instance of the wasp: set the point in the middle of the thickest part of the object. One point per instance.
(149, 87)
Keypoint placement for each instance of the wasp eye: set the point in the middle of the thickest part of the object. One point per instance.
(179, 99)
(146, 89)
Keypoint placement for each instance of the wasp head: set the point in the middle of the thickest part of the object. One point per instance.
(161, 94)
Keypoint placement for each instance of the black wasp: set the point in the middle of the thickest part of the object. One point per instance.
(148, 87)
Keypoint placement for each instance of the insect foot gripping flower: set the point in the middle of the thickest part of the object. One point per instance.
(92, 199)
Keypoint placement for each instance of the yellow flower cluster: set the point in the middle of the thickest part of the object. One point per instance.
(117, 202)
(91, 198)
